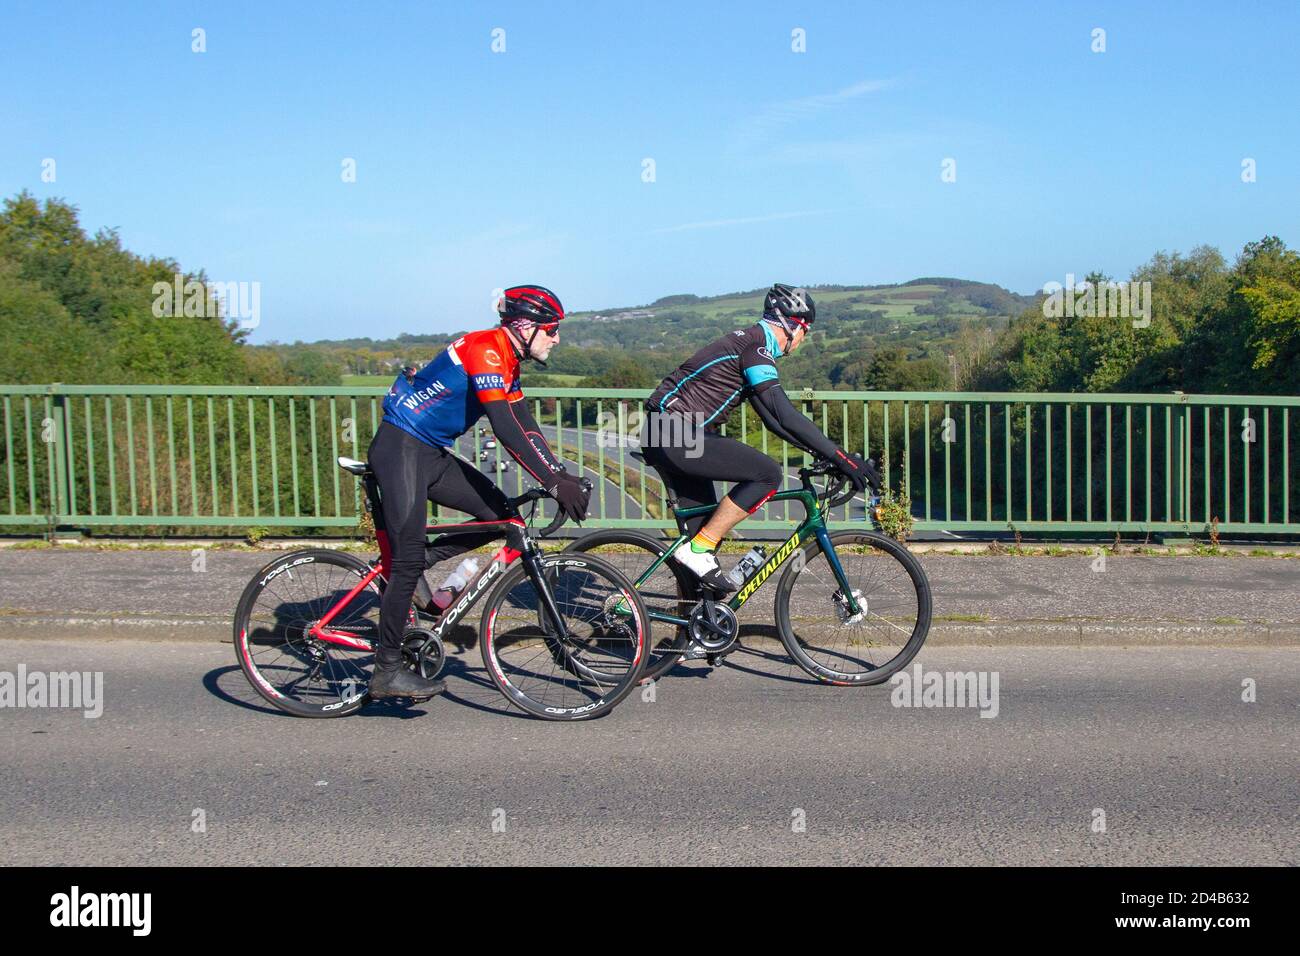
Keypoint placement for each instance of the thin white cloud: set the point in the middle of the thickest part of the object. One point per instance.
(850, 152)
(774, 116)
(721, 223)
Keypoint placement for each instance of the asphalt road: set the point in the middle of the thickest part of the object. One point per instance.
(721, 767)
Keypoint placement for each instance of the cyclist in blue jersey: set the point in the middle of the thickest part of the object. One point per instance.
(425, 411)
(684, 414)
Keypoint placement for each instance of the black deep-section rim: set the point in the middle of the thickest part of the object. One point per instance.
(518, 651)
(884, 625)
(296, 673)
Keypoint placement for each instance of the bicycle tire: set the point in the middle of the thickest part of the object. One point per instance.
(872, 673)
(667, 640)
(518, 633)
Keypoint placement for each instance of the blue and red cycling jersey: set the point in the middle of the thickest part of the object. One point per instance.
(445, 398)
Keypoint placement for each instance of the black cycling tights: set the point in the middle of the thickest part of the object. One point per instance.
(690, 473)
(410, 473)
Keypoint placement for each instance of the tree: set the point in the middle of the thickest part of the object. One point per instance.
(81, 310)
(1211, 329)
(626, 373)
(891, 369)
(42, 341)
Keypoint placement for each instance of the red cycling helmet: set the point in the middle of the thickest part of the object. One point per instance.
(529, 303)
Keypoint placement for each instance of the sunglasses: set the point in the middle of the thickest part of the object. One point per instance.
(550, 328)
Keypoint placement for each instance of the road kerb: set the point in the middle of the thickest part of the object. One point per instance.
(1081, 634)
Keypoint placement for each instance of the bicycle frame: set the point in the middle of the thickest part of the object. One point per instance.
(813, 525)
(501, 560)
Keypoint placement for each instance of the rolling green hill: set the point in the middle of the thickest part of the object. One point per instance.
(921, 319)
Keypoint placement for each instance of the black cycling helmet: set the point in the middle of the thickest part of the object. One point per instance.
(529, 303)
(790, 308)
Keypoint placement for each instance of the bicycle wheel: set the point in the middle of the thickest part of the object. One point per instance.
(606, 632)
(301, 674)
(813, 617)
(668, 591)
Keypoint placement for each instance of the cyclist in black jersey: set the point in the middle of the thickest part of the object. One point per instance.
(681, 438)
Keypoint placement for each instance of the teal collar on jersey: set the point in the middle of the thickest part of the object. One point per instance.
(771, 338)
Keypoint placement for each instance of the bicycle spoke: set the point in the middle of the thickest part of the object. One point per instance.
(848, 645)
(310, 672)
(558, 672)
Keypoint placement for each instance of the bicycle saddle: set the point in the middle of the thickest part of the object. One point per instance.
(354, 466)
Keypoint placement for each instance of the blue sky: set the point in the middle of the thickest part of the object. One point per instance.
(478, 169)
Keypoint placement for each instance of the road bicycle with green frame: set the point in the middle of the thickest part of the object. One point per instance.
(851, 607)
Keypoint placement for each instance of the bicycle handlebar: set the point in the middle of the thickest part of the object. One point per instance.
(839, 498)
(535, 494)
(838, 489)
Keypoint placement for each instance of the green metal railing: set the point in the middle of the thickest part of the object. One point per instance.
(187, 457)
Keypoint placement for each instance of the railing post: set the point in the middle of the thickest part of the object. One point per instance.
(58, 459)
(1176, 479)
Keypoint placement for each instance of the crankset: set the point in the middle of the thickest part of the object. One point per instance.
(713, 627)
(423, 652)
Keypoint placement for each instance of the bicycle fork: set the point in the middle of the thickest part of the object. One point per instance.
(833, 559)
(533, 564)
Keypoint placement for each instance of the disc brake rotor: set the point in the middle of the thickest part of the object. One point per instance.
(842, 607)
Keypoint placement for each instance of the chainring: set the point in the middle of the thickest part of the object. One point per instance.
(423, 652)
(713, 626)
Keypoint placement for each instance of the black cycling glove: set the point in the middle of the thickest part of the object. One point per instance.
(859, 471)
(569, 493)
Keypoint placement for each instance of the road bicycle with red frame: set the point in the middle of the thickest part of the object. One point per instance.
(307, 625)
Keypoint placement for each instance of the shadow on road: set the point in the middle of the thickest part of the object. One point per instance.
(212, 681)
(472, 688)
(479, 693)
(227, 683)
(249, 700)
(769, 635)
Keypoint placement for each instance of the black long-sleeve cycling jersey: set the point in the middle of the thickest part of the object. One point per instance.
(741, 365)
(717, 378)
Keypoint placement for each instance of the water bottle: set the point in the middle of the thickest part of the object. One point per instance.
(455, 583)
(746, 565)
